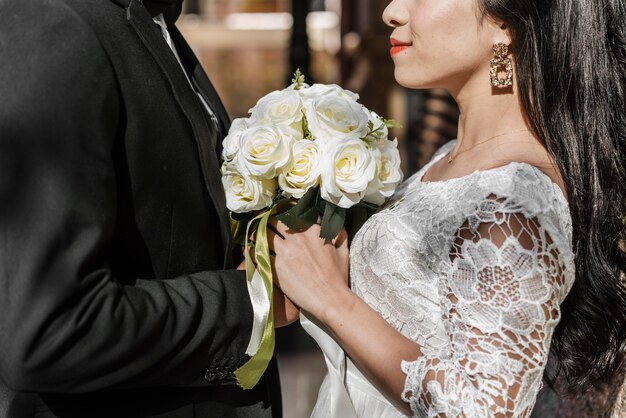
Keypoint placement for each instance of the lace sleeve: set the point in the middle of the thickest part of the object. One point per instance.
(502, 292)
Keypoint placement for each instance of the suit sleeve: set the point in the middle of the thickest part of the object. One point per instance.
(66, 324)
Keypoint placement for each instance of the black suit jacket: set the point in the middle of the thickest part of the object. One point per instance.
(114, 232)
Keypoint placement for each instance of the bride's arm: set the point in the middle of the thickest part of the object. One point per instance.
(372, 344)
(315, 272)
(499, 330)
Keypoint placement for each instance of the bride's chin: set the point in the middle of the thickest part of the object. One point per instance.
(409, 80)
(411, 84)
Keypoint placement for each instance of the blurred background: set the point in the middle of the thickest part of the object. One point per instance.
(251, 47)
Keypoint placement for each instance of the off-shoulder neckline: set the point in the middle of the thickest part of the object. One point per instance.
(519, 164)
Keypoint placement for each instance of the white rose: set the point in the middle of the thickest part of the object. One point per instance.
(278, 108)
(380, 130)
(303, 172)
(231, 144)
(347, 169)
(336, 117)
(264, 150)
(245, 193)
(318, 90)
(388, 172)
(293, 132)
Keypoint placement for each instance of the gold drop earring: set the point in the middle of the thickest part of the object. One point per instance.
(501, 63)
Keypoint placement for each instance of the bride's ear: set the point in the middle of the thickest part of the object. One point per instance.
(502, 32)
(507, 33)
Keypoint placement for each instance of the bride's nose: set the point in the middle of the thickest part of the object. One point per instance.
(395, 15)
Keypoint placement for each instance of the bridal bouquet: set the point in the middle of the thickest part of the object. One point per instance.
(307, 154)
(313, 154)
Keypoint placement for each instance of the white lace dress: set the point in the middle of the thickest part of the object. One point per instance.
(474, 270)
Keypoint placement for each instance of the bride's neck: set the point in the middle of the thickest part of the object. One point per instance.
(486, 113)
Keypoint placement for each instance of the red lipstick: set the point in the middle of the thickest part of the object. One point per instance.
(398, 46)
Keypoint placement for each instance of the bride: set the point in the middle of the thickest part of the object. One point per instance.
(506, 245)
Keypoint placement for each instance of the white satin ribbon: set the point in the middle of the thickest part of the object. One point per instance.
(335, 358)
(261, 311)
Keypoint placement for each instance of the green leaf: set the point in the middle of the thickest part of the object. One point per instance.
(238, 229)
(390, 123)
(283, 205)
(304, 213)
(241, 217)
(320, 204)
(332, 222)
(298, 79)
(305, 127)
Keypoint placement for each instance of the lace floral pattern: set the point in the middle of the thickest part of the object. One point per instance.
(474, 270)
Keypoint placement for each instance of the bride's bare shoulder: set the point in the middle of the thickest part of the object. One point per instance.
(531, 152)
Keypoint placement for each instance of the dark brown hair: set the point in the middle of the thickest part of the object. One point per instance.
(571, 73)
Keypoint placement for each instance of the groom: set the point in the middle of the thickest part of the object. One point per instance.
(114, 235)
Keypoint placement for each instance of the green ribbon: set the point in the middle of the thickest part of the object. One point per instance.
(251, 372)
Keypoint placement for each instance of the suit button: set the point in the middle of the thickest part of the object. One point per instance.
(210, 375)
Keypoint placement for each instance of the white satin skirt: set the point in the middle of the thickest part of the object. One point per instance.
(345, 392)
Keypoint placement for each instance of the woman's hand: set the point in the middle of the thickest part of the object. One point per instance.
(311, 271)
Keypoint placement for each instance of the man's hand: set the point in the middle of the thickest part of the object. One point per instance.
(285, 312)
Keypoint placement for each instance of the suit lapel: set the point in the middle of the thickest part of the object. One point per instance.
(195, 69)
(201, 81)
(205, 134)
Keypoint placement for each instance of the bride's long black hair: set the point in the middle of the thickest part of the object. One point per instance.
(571, 73)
